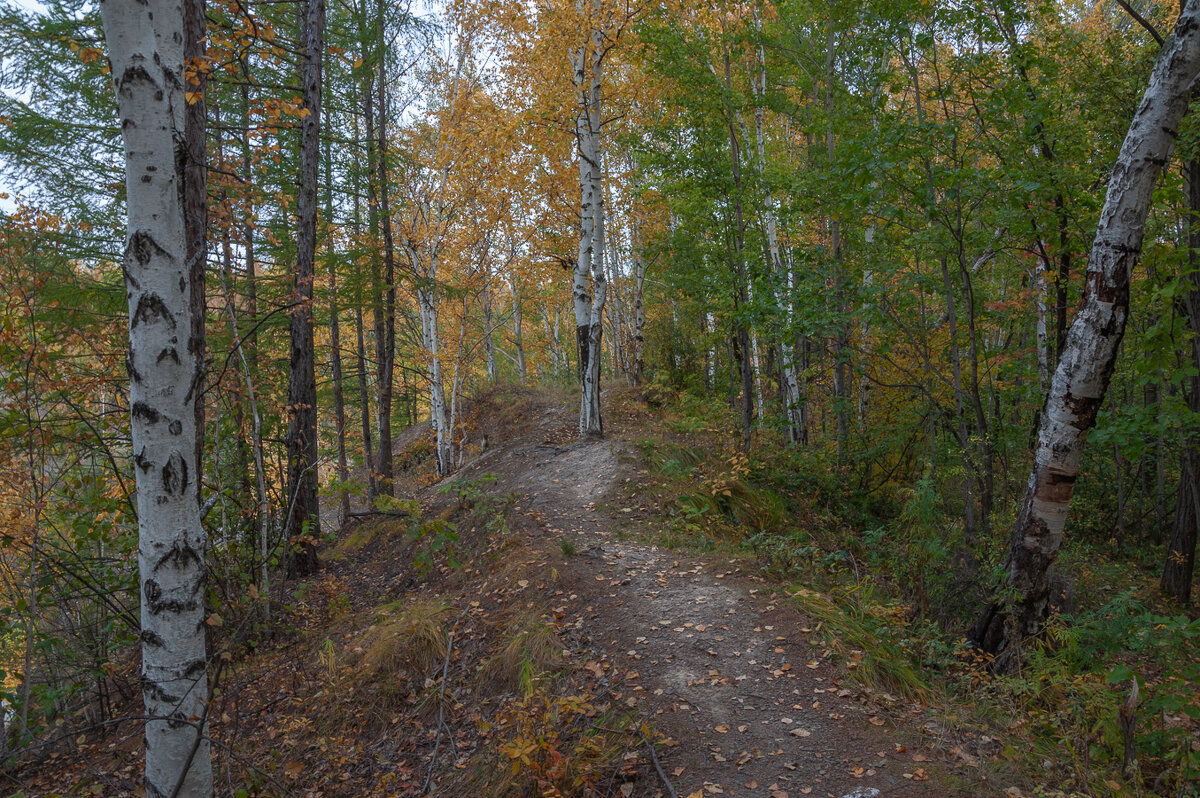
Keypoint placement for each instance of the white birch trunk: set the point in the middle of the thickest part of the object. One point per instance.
(488, 341)
(1081, 379)
(638, 332)
(790, 381)
(428, 309)
(1043, 335)
(518, 335)
(587, 64)
(145, 41)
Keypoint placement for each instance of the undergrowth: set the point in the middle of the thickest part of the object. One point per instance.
(892, 583)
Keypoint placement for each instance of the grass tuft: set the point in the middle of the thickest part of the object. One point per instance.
(856, 635)
(529, 649)
(409, 645)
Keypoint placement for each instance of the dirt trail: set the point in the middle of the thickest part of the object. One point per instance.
(717, 660)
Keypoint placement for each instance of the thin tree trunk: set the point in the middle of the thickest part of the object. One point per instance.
(335, 350)
(841, 340)
(489, 341)
(145, 40)
(518, 334)
(387, 365)
(303, 527)
(260, 474)
(195, 54)
(960, 416)
(1180, 563)
(737, 266)
(638, 333)
(383, 409)
(589, 306)
(365, 400)
(1086, 365)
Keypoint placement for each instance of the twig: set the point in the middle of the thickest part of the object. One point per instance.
(658, 766)
(200, 735)
(437, 742)
(386, 513)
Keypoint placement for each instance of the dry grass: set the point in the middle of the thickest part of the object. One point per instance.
(869, 659)
(408, 644)
(529, 649)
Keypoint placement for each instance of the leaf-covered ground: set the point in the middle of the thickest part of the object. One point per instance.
(518, 637)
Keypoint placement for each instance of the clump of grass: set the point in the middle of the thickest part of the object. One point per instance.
(749, 506)
(529, 649)
(568, 547)
(358, 536)
(409, 645)
(870, 659)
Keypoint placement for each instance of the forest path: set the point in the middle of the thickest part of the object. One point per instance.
(715, 658)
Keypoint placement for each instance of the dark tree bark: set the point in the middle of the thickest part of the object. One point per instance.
(335, 351)
(364, 396)
(1180, 561)
(303, 527)
(387, 362)
(195, 197)
(1085, 368)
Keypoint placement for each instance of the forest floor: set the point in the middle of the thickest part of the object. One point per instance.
(528, 637)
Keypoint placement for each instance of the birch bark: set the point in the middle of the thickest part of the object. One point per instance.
(1086, 365)
(588, 66)
(145, 40)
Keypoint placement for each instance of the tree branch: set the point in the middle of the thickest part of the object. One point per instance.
(1139, 19)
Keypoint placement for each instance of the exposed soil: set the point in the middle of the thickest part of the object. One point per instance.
(712, 656)
(715, 658)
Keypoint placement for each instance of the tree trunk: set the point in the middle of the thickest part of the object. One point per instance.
(364, 396)
(1086, 365)
(383, 398)
(303, 527)
(444, 448)
(960, 416)
(518, 334)
(1180, 561)
(195, 52)
(489, 342)
(589, 306)
(335, 351)
(387, 363)
(841, 338)
(145, 40)
(638, 333)
(747, 360)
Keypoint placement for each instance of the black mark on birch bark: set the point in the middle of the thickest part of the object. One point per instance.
(149, 308)
(145, 412)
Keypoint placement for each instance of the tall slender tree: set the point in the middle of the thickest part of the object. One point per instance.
(146, 49)
(1086, 364)
(303, 519)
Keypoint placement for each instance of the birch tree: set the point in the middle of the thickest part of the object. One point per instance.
(589, 282)
(145, 41)
(1089, 354)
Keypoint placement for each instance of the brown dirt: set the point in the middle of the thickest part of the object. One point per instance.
(715, 658)
(711, 655)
